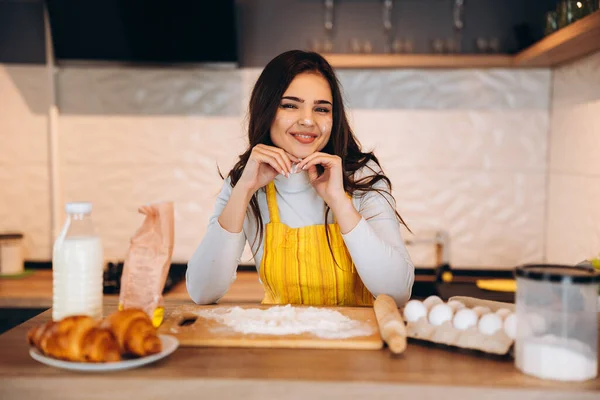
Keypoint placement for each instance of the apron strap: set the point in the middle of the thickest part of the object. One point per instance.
(272, 202)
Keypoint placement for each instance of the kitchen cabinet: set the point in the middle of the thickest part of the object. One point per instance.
(565, 45)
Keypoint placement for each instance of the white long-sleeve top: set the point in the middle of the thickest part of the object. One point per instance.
(375, 244)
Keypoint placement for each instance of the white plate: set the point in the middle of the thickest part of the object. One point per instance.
(169, 345)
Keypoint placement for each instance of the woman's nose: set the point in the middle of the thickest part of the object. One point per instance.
(307, 121)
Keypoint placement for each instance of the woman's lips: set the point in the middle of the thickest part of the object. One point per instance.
(304, 138)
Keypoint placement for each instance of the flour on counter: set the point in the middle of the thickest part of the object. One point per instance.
(288, 320)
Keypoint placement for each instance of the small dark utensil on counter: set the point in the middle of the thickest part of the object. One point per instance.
(113, 272)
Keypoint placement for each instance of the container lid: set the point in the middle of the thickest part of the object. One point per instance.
(80, 207)
(558, 273)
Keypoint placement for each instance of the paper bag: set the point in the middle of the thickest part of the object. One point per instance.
(148, 261)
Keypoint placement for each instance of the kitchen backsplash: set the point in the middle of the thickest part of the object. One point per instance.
(466, 151)
(573, 228)
(24, 170)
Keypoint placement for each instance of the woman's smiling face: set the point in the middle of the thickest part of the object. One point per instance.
(302, 125)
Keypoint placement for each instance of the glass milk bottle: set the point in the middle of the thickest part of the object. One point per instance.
(77, 266)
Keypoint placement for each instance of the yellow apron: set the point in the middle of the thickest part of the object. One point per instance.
(298, 268)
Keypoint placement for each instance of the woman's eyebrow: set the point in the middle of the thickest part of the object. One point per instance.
(299, 100)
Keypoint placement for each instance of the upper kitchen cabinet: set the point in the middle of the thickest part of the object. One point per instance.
(565, 45)
(420, 33)
(144, 31)
(568, 44)
(22, 32)
(117, 31)
(350, 33)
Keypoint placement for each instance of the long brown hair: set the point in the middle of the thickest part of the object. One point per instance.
(264, 102)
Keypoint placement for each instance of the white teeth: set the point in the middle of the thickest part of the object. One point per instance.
(304, 136)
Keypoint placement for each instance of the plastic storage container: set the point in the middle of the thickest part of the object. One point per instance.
(77, 266)
(557, 322)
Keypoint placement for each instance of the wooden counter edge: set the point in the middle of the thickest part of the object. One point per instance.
(110, 388)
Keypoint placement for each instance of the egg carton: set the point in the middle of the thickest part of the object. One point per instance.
(471, 338)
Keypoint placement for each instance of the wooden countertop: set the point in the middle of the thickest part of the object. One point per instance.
(35, 291)
(423, 371)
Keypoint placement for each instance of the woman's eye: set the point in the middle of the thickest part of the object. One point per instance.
(288, 106)
(322, 110)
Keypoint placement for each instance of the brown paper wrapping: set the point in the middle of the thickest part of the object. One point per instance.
(148, 261)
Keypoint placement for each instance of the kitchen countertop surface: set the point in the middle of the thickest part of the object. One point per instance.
(423, 371)
(35, 291)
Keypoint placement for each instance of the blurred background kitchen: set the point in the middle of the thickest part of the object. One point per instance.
(485, 114)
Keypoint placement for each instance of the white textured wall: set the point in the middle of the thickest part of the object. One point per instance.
(465, 149)
(466, 154)
(573, 232)
(24, 183)
(130, 137)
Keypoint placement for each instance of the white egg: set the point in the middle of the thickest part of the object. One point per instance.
(553, 339)
(464, 319)
(521, 327)
(432, 301)
(439, 314)
(489, 324)
(503, 312)
(510, 326)
(536, 322)
(532, 324)
(456, 305)
(414, 310)
(481, 310)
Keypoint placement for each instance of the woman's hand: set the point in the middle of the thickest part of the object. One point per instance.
(264, 164)
(330, 185)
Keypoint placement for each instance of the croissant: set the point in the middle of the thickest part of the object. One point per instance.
(100, 345)
(35, 334)
(75, 338)
(134, 332)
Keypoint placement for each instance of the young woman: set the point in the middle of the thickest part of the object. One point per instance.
(317, 211)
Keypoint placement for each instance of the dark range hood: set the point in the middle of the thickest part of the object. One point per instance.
(144, 31)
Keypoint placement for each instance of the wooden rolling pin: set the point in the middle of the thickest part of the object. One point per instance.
(391, 324)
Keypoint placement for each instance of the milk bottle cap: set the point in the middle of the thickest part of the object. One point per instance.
(79, 207)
